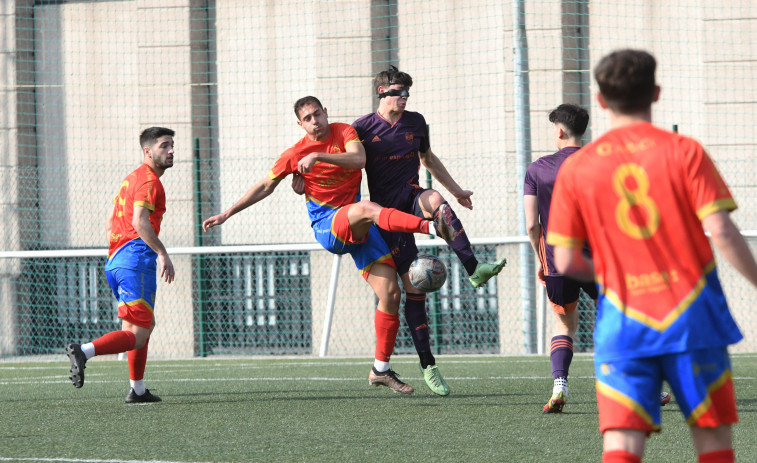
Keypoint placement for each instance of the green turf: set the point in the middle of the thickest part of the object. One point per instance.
(324, 410)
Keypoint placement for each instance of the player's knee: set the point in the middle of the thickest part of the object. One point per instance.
(141, 341)
(392, 297)
(436, 199)
(366, 209)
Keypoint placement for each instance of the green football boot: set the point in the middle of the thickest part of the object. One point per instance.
(434, 380)
(485, 271)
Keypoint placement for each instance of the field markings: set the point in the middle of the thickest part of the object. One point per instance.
(91, 460)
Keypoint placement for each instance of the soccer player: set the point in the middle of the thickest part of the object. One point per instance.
(644, 197)
(330, 158)
(396, 143)
(134, 254)
(569, 123)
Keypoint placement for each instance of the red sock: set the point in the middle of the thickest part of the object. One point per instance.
(718, 456)
(387, 326)
(620, 456)
(393, 220)
(137, 360)
(114, 342)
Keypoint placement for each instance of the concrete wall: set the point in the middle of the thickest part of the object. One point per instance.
(106, 70)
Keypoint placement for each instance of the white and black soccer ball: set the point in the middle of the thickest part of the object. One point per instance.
(427, 273)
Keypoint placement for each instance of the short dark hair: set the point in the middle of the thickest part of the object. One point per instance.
(304, 101)
(149, 136)
(626, 80)
(391, 76)
(574, 118)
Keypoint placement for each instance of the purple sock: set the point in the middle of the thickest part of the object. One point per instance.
(461, 245)
(561, 354)
(417, 321)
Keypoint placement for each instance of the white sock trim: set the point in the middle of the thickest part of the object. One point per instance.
(380, 365)
(138, 386)
(88, 349)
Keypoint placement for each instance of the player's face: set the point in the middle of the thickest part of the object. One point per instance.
(395, 103)
(315, 121)
(161, 152)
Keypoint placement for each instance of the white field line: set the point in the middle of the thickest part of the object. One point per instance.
(89, 460)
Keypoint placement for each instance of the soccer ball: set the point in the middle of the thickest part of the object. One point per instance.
(427, 273)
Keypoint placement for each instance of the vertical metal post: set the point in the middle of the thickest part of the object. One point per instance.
(330, 306)
(523, 154)
(199, 284)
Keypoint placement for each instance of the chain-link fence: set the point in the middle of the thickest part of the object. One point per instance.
(80, 80)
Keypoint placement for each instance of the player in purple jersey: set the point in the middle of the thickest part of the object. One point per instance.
(570, 122)
(396, 143)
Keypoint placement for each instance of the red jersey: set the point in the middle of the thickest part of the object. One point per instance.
(638, 195)
(140, 188)
(327, 186)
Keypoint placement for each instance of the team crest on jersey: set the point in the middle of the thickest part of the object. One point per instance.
(335, 149)
(409, 138)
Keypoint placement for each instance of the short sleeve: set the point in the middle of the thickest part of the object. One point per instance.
(529, 184)
(349, 134)
(284, 165)
(145, 195)
(708, 192)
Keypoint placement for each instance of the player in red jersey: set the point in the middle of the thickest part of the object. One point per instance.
(133, 229)
(330, 158)
(644, 197)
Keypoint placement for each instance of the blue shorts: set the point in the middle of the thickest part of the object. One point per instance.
(628, 391)
(135, 291)
(334, 233)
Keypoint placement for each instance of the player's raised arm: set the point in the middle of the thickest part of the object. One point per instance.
(257, 193)
(434, 165)
(352, 158)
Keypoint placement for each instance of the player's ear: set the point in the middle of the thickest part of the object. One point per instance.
(657, 90)
(146, 151)
(601, 101)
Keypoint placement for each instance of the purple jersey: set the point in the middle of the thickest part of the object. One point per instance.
(392, 156)
(540, 181)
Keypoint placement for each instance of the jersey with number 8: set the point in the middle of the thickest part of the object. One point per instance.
(641, 212)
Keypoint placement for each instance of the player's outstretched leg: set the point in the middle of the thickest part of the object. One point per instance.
(443, 223)
(486, 271)
(559, 396)
(133, 398)
(78, 362)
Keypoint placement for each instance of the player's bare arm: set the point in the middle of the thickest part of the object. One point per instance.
(729, 241)
(572, 262)
(533, 226)
(298, 183)
(352, 158)
(434, 165)
(257, 193)
(142, 225)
